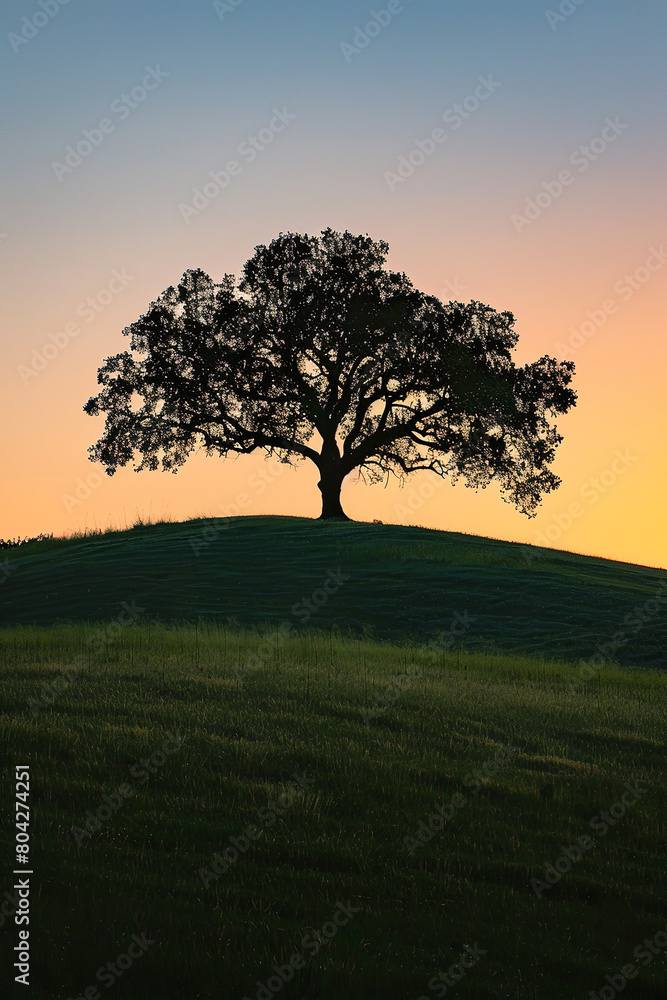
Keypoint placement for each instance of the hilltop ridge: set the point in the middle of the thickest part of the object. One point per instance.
(394, 583)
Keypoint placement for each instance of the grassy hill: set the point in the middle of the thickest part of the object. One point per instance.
(163, 803)
(273, 740)
(398, 583)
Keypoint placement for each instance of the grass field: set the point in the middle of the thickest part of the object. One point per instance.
(228, 788)
(401, 584)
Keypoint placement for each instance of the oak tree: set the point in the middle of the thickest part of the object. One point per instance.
(321, 353)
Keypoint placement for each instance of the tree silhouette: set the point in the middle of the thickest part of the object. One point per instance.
(321, 353)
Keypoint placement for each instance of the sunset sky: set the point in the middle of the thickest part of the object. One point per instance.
(564, 110)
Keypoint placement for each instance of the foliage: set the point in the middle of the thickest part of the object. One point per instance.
(321, 353)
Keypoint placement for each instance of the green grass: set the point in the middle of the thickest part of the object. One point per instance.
(405, 584)
(449, 643)
(300, 710)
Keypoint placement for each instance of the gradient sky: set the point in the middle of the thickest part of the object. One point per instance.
(451, 226)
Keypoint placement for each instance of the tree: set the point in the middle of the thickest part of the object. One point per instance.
(321, 353)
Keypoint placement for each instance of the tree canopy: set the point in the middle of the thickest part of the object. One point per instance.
(320, 353)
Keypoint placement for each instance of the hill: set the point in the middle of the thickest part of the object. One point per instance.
(222, 797)
(388, 582)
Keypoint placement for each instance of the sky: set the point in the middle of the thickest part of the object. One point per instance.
(543, 195)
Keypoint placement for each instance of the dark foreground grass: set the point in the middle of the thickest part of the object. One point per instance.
(246, 713)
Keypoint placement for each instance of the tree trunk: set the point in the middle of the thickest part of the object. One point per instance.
(331, 480)
(330, 486)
